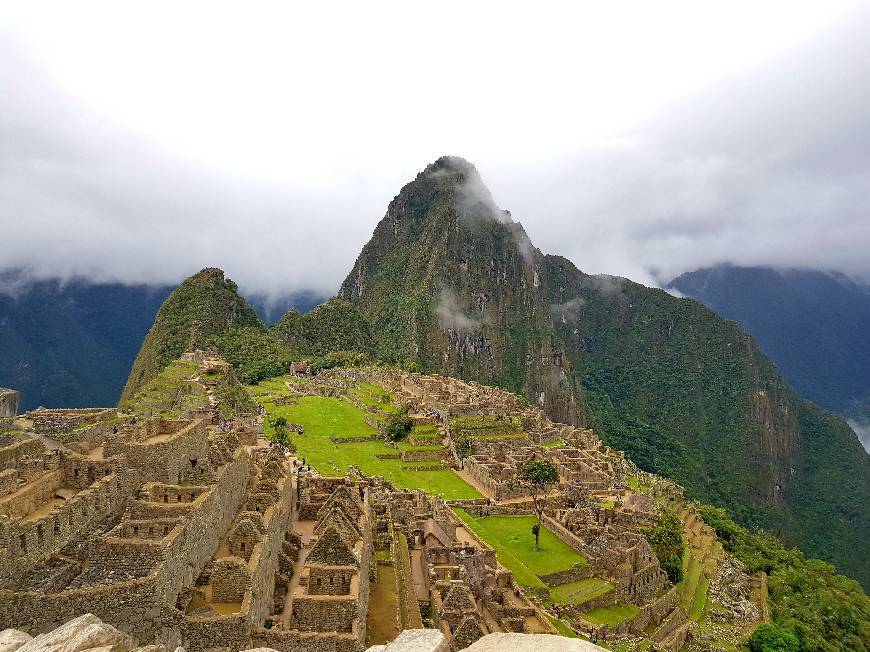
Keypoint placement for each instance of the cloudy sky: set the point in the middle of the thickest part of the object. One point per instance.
(638, 139)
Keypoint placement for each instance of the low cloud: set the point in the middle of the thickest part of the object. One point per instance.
(451, 316)
(605, 284)
(768, 167)
(862, 429)
(568, 309)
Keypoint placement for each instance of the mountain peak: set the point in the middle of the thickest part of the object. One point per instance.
(449, 164)
(205, 304)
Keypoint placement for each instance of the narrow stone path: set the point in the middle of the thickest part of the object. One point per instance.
(305, 529)
(417, 574)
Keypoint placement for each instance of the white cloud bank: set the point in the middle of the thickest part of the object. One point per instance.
(140, 148)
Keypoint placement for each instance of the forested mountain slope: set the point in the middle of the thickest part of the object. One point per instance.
(814, 325)
(452, 283)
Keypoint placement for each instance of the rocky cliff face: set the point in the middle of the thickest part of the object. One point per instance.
(453, 283)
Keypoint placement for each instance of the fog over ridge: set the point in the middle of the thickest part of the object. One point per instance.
(769, 165)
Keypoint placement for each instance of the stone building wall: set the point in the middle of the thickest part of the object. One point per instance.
(337, 614)
(162, 460)
(59, 422)
(21, 448)
(9, 401)
(296, 641)
(129, 557)
(141, 606)
(80, 472)
(28, 543)
(220, 632)
(230, 580)
(131, 606)
(33, 495)
(190, 547)
(8, 481)
(264, 560)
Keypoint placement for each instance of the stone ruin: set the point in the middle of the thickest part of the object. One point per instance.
(9, 401)
(181, 532)
(591, 508)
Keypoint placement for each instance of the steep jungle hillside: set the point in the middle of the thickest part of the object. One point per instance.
(691, 396)
(814, 325)
(205, 304)
(71, 344)
(452, 283)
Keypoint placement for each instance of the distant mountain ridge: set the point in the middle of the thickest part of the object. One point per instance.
(814, 325)
(71, 344)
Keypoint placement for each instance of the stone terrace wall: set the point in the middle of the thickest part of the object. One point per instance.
(26, 544)
(23, 447)
(164, 460)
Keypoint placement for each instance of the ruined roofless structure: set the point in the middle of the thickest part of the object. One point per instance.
(179, 531)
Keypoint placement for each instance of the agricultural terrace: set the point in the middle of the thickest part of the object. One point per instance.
(328, 420)
(511, 538)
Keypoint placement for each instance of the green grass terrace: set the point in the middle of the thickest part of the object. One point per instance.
(511, 538)
(328, 420)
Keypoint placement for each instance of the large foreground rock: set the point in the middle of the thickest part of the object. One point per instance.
(414, 640)
(12, 639)
(531, 643)
(78, 635)
(432, 640)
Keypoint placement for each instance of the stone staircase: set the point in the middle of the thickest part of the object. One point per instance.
(701, 562)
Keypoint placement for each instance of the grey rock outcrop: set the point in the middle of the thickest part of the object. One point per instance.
(86, 632)
(9, 400)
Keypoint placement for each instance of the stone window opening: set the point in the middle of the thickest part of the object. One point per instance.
(39, 533)
(22, 541)
(165, 498)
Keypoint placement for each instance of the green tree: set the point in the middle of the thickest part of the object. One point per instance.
(538, 475)
(770, 637)
(666, 541)
(463, 448)
(254, 352)
(397, 426)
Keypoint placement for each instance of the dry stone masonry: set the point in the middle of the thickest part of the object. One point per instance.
(185, 531)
